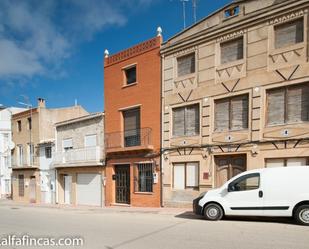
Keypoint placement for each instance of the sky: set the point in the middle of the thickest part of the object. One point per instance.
(54, 49)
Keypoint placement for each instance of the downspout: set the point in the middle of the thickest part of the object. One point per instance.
(161, 137)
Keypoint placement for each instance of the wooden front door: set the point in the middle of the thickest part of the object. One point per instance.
(122, 184)
(228, 167)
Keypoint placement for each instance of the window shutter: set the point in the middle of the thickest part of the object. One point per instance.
(222, 115)
(192, 120)
(186, 64)
(178, 121)
(276, 107)
(179, 176)
(289, 33)
(301, 161)
(67, 143)
(192, 175)
(90, 140)
(274, 163)
(232, 50)
(239, 112)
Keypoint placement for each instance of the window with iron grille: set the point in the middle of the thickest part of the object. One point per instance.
(186, 64)
(231, 113)
(21, 185)
(232, 50)
(186, 120)
(288, 104)
(290, 33)
(130, 74)
(145, 177)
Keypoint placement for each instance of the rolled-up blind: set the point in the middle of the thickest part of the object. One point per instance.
(275, 108)
(298, 103)
(239, 112)
(222, 115)
(232, 50)
(289, 33)
(131, 121)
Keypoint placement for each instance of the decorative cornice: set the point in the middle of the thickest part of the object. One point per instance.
(288, 17)
(232, 36)
(133, 51)
(185, 51)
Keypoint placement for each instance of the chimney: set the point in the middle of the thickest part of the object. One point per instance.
(41, 103)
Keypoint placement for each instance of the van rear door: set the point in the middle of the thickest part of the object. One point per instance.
(244, 196)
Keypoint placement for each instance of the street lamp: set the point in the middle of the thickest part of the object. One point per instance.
(29, 106)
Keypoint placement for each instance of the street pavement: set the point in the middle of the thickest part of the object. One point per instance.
(111, 228)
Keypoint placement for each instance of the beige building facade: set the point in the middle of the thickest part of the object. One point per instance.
(235, 96)
(33, 134)
(79, 161)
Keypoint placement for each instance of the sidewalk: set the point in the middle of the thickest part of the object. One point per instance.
(164, 210)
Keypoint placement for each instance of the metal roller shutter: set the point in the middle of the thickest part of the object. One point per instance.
(88, 189)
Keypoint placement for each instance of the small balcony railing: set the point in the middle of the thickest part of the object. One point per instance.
(91, 154)
(129, 140)
(25, 162)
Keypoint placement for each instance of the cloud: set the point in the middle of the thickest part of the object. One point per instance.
(37, 36)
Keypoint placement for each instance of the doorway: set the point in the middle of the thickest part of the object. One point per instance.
(32, 189)
(122, 183)
(228, 167)
(67, 189)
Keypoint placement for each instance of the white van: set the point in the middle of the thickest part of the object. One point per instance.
(281, 192)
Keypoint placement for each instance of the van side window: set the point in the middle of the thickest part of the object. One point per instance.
(245, 183)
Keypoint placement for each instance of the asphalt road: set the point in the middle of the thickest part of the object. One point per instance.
(107, 229)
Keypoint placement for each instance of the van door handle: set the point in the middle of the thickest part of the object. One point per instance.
(260, 193)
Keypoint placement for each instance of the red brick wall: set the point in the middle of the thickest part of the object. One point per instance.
(147, 93)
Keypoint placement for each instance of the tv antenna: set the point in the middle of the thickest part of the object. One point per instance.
(194, 6)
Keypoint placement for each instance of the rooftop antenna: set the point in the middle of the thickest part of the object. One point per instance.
(75, 102)
(194, 5)
(184, 12)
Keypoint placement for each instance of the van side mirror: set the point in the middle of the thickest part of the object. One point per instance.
(231, 188)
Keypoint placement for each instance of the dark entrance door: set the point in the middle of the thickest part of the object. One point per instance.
(122, 184)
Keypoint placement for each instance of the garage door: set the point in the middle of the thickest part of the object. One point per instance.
(88, 189)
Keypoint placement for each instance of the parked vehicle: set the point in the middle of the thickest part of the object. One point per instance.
(277, 192)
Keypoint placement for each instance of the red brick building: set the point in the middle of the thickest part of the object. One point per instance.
(132, 86)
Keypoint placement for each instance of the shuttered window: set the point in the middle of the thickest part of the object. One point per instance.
(131, 127)
(90, 140)
(67, 144)
(186, 64)
(286, 162)
(288, 105)
(231, 113)
(288, 34)
(185, 175)
(186, 121)
(232, 50)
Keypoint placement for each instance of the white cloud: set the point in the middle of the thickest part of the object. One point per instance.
(36, 36)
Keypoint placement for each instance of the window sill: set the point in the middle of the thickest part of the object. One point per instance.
(144, 193)
(184, 137)
(231, 64)
(184, 77)
(231, 131)
(275, 51)
(287, 124)
(132, 84)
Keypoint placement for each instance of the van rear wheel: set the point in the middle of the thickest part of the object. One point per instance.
(302, 215)
(213, 212)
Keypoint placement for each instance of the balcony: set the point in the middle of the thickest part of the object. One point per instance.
(25, 163)
(129, 141)
(91, 156)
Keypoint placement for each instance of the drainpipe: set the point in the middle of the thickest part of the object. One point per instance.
(161, 137)
(56, 185)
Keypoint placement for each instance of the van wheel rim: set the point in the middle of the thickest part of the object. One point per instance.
(212, 212)
(304, 215)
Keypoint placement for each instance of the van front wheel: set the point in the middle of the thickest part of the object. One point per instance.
(213, 212)
(302, 215)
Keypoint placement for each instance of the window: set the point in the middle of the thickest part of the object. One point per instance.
(232, 50)
(30, 154)
(90, 140)
(290, 33)
(186, 175)
(29, 123)
(48, 152)
(145, 177)
(286, 162)
(186, 64)
(231, 113)
(132, 127)
(21, 185)
(130, 75)
(231, 12)
(7, 186)
(67, 144)
(20, 155)
(186, 121)
(19, 125)
(288, 105)
(245, 183)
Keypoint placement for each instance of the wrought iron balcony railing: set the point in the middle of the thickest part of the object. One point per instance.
(129, 139)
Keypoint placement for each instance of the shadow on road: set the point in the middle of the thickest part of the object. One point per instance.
(289, 221)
